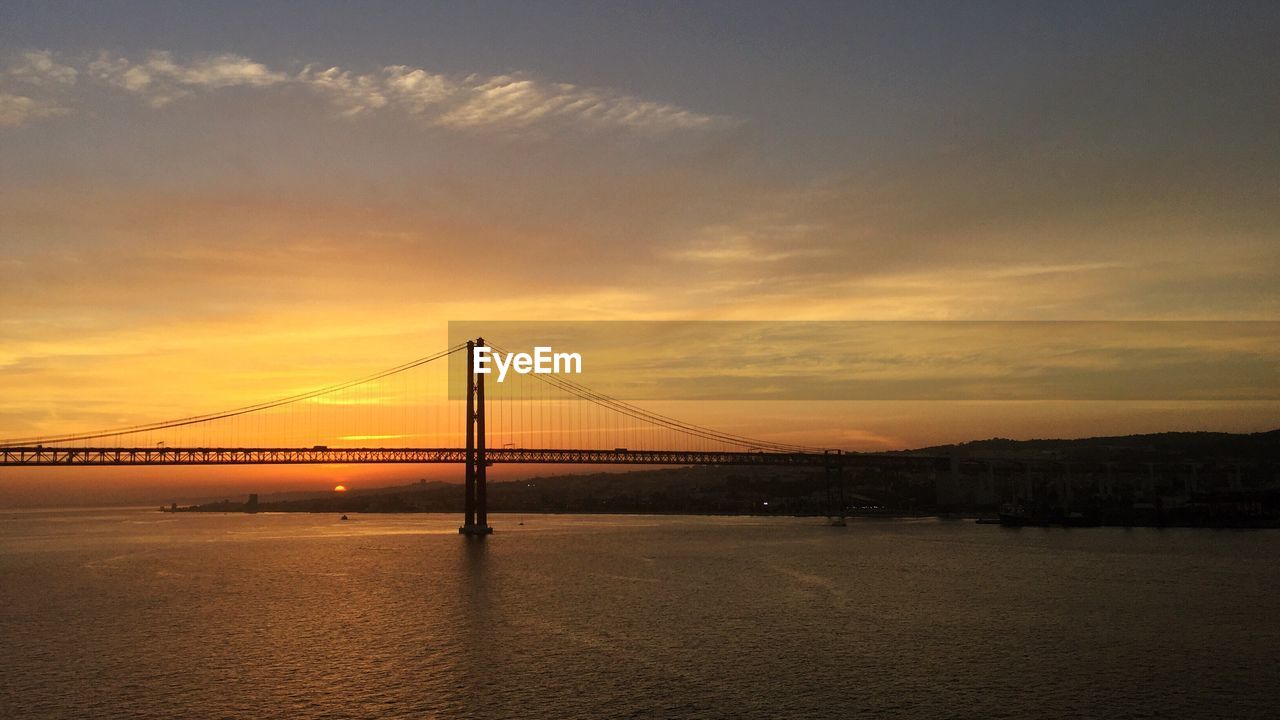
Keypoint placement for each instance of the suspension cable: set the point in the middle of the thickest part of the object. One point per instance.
(164, 425)
(653, 418)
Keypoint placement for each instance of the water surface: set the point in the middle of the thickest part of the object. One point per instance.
(134, 613)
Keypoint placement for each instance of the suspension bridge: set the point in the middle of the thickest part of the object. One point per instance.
(386, 416)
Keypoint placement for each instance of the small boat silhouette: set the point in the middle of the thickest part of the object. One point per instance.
(344, 517)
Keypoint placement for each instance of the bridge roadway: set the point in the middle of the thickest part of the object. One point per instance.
(66, 456)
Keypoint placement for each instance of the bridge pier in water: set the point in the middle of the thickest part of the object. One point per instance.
(836, 505)
(475, 506)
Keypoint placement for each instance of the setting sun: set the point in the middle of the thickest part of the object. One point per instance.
(340, 488)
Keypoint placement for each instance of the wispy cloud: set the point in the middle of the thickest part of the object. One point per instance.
(38, 67)
(36, 81)
(760, 242)
(161, 80)
(16, 110)
(473, 102)
(352, 94)
(515, 101)
(415, 88)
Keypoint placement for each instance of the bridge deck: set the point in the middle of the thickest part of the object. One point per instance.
(56, 456)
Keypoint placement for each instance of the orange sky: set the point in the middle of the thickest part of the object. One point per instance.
(194, 224)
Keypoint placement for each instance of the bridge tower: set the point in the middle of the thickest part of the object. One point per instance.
(476, 505)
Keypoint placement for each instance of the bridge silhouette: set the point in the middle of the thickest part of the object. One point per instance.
(545, 419)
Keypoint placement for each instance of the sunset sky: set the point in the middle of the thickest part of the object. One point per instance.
(204, 205)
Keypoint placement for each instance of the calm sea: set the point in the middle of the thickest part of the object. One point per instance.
(134, 613)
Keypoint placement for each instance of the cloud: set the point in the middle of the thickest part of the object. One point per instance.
(415, 88)
(473, 102)
(351, 94)
(756, 241)
(38, 67)
(162, 80)
(18, 110)
(37, 73)
(513, 101)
